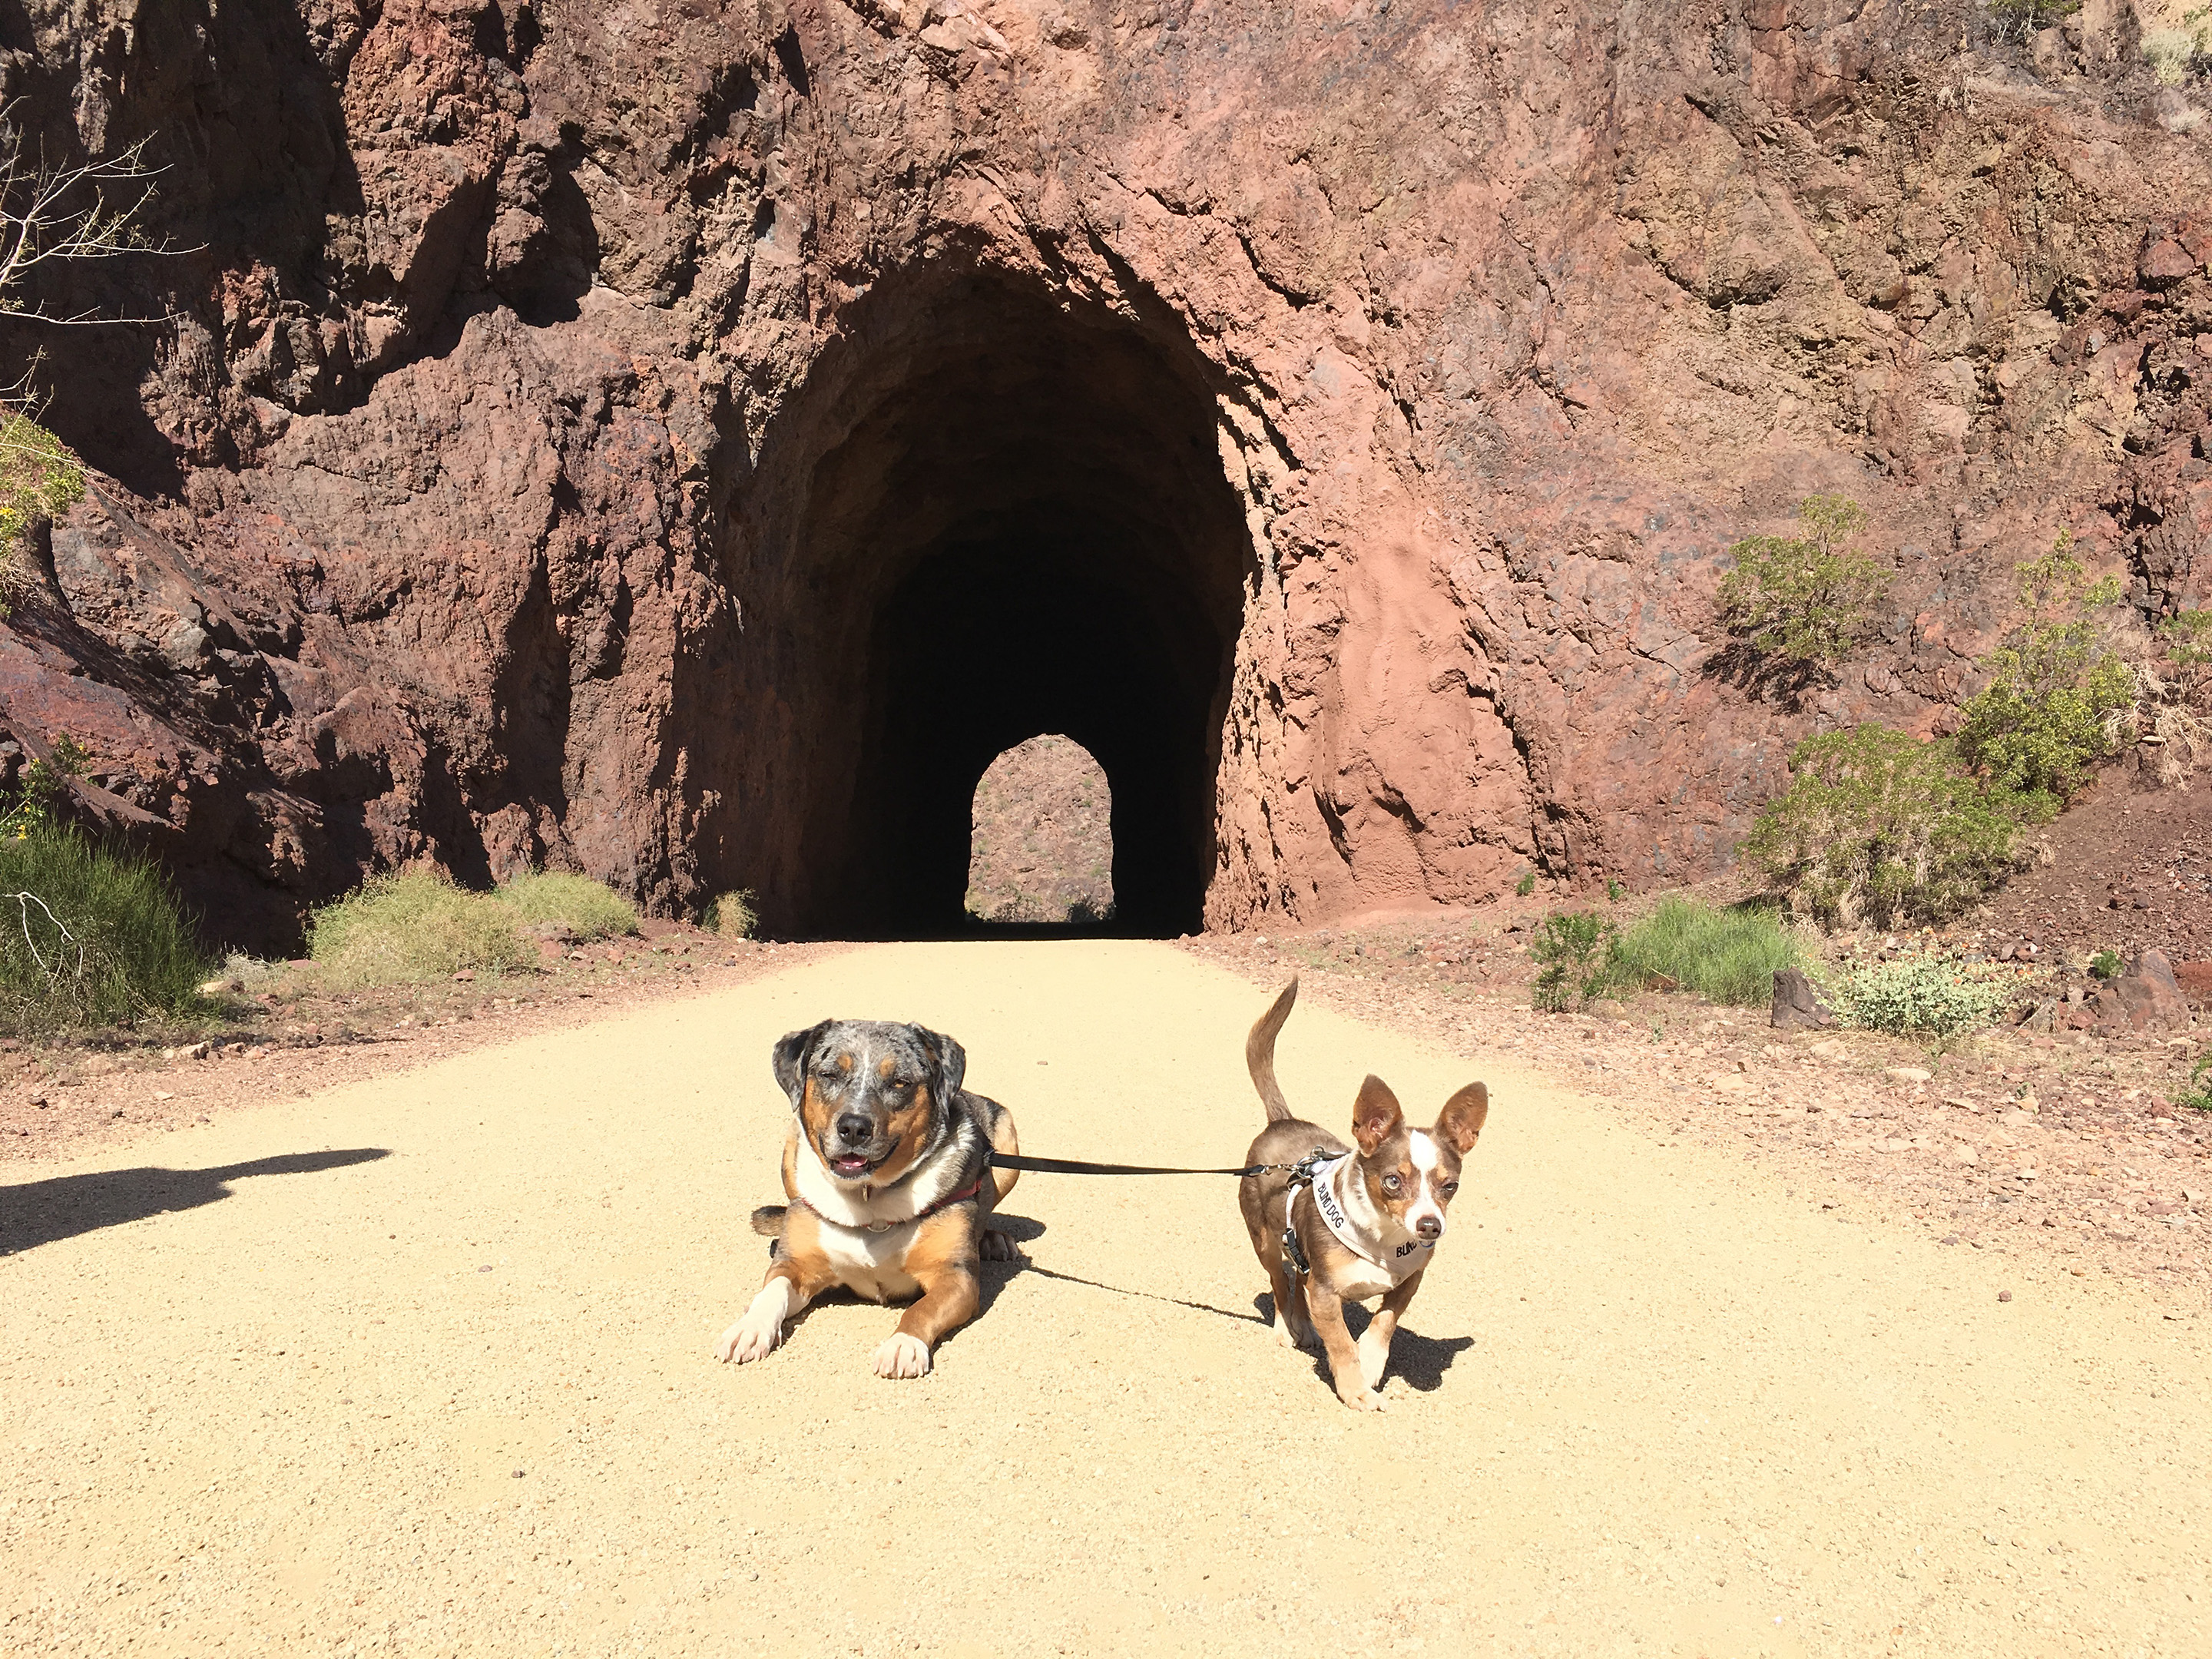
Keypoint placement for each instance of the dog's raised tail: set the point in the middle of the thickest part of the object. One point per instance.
(1260, 1054)
(768, 1220)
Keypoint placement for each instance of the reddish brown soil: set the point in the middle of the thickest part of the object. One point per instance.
(2131, 869)
(1042, 848)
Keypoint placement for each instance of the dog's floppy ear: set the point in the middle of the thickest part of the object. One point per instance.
(948, 1062)
(1375, 1114)
(1460, 1121)
(789, 1057)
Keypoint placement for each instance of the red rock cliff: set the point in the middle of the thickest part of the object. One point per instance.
(687, 442)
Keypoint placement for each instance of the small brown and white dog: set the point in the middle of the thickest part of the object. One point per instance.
(1368, 1224)
(886, 1164)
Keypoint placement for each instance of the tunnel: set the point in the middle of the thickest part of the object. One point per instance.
(994, 511)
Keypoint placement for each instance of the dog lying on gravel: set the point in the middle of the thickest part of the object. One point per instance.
(1366, 1225)
(886, 1165)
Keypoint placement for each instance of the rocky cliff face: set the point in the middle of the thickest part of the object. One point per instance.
(686, 443)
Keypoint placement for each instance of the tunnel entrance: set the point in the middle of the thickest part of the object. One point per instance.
(1040, 850)
(993, 511)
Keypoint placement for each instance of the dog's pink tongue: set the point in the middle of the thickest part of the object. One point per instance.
(851, 1165)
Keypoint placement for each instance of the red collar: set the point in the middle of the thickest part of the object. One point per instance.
(960, 1197)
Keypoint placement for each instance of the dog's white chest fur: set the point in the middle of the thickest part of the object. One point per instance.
(867, 1263)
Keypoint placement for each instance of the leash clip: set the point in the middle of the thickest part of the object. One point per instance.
(1301, 1174)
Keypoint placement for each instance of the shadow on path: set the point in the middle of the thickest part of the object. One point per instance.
(1149, 1296)
(42, 1212)
(1421, 1361)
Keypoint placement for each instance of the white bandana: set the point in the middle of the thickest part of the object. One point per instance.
(1406, 1260)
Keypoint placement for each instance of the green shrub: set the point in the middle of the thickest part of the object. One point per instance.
(2105, 964)
(2197, 1096)
(1571, 955)
(1805, 600)
(2058, 697)
(588, 909)
(1879, 826)
(88, 935)
(39, 478)
(1922, 993)
(735, 915)
(1527, 885)
(1728, 955)
(41, 785)
(2022, 18)
(2170, 51)
(2188, 636)
(408, 928)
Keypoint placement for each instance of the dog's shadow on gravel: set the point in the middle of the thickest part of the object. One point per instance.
(1421, 1360)
(44, 1211)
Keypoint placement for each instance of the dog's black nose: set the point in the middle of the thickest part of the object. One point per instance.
(1429, 1227)
(854, 1128)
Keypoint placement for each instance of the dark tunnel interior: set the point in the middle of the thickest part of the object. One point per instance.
(1015, 521)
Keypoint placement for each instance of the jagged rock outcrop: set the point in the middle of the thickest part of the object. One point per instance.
(688, 444)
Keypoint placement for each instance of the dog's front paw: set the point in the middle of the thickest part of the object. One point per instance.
(1366, 1400)
(1291, 1336)
(995, 1246)
(901, 1355)
(750, 1338)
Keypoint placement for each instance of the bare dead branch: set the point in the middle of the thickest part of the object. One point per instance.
(50, 214)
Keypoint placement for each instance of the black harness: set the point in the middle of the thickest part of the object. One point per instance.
(1301, 1174)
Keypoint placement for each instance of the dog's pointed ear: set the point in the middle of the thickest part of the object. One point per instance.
(1460, 1121)
(792, 1051)
(1375, 1114)
(948, 1062)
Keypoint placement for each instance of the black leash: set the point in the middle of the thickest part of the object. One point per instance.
(1076, 1166)
(1300, 1172)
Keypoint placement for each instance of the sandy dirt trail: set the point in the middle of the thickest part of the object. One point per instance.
(1649, 1402)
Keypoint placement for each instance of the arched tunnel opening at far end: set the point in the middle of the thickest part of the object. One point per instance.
(992, 512)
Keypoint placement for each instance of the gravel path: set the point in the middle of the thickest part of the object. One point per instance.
(1651, 1401)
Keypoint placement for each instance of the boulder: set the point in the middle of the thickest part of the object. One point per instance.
(1798, 1003)
(2144, 997)
(2195, 979)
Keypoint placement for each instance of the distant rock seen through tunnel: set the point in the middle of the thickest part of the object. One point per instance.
(1041, 846)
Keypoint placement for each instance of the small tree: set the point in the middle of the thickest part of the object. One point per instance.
(1573, 953)
(1804, 601)
(2059, 696)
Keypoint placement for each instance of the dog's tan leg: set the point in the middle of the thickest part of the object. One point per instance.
(941, 1260)
(993, 1245)
(791, 1284)
(1004, 1140)
(1375, 1340)
(1328, 1310)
